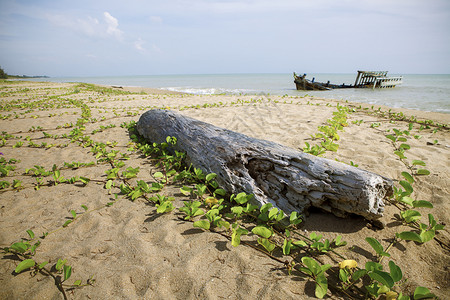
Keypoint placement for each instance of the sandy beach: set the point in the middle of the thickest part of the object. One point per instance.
(133, 252)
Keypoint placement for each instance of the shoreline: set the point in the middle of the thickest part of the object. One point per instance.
(424, 92)
(140, 89)
(439, 117)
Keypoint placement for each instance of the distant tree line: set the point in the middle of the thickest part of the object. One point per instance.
(3, 74)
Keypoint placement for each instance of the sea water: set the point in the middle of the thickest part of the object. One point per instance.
(422, 92)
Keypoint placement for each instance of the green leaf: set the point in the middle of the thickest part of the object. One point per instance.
(383, 290)
(84, 180)
(73, 213)
(67, 223)
(400, 154)
(265, 207)
(294, 219)
(403, 297)
(375, 245)
(407, 186)
(84, 207)
(408, 177)
(382, 277)
(422, 293)
(314, 236)
(343, 275)
(305, 270)
(108, 184)
(211, 176)
(423, 172)
(262, 231)
(312, 265)
(224, 224)
(20, 247)
(42, 265)
(407, 200)
(422, 203)
(34, 247)
(396, 272)
(300, 243)
(405, 146)
(237, 210)
(67, 272)
(372, 266)
(266, 244)
(410, 215)
(358, 274)
(273, 212)
(164, 207)
(241, 198)
(287, 244)
(23, 265)
(392, 138)
(158, 175)
(373, 289)
(325, 267)
(338, 241)
(135, 194)
(418, 163)
(197, 212)
(236, 236)
(427, 235)
(439, 227)
(60, 264)
(220, 192)
(409, 236)
(431, 220)
(321, 286)
(185, 190)
(77, 283)
(250, 207)
(30, 233)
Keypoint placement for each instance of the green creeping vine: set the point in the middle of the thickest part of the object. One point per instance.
(328, 134)
(234, 216)
(25, 250)
(403, 193)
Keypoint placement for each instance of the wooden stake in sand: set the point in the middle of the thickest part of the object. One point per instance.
(291, 180)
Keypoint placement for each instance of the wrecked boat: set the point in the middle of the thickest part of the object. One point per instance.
(364, 79)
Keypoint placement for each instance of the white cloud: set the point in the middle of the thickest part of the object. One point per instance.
(89, 26)
(113, 25)
(138, 45)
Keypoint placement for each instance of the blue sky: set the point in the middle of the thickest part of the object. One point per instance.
(146, 37)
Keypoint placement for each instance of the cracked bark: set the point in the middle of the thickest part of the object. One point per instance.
(291, 180)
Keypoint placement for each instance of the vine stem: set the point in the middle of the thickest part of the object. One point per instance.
(388, 248)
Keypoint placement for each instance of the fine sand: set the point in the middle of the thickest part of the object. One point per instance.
(135, 253)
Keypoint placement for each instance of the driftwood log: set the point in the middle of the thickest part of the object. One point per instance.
(291, 180)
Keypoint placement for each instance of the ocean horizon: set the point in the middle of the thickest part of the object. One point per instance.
(425, 92)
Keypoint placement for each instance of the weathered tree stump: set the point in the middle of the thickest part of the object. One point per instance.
(291, 180)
